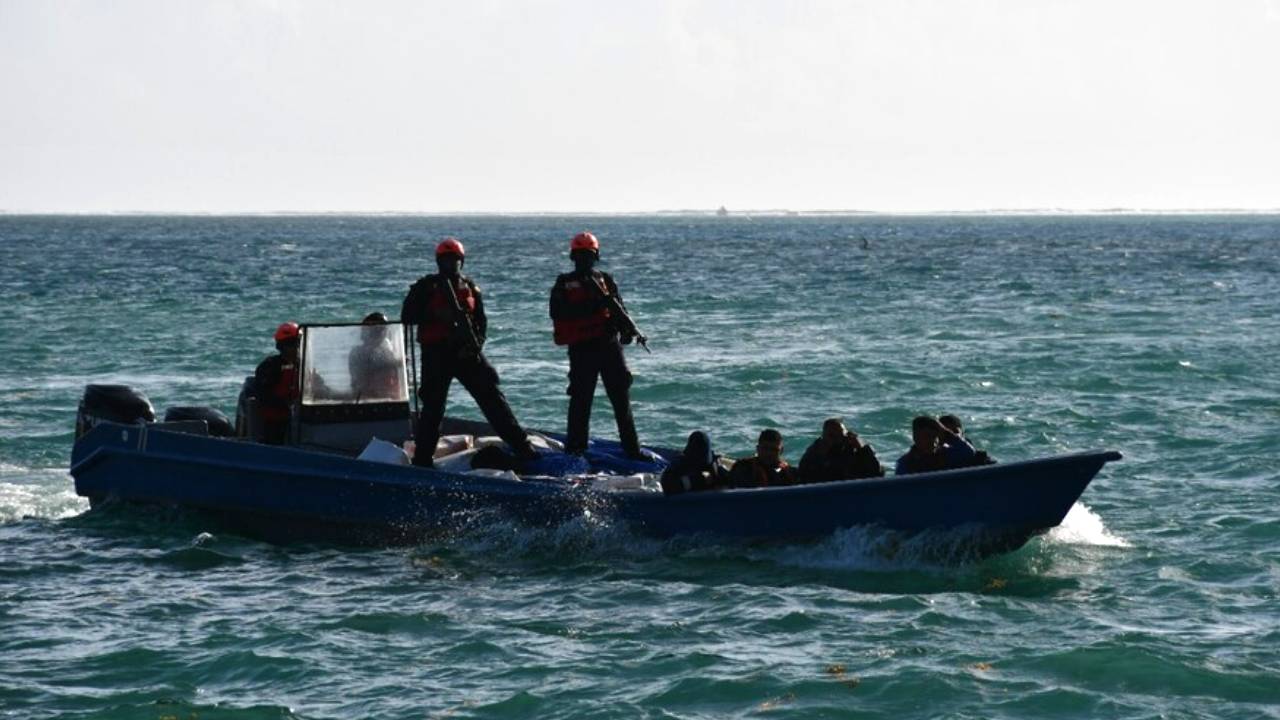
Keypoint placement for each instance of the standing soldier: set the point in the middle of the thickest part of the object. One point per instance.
(449, 313)
(588, 315)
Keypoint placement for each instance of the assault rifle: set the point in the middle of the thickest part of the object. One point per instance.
(464, 329)
(619, 315)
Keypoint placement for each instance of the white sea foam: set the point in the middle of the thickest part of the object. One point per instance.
(879, 549)
(1083, 526)
(49, 496)
(1168, 572)
(848, 549)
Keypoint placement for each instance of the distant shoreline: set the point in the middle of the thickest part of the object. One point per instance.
(1036, 212)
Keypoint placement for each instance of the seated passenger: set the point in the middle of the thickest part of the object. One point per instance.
(276, 385)
(952, 423)
(838, 454)
(934, 447)
(374, 366)
(767, 468)
(696, 469)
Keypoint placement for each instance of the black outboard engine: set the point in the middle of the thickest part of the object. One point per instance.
(248, 424)
(219, 425)
(113, 403)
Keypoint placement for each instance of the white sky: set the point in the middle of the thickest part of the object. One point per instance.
(599, 105)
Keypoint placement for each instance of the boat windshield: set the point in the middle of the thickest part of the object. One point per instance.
(354, 364)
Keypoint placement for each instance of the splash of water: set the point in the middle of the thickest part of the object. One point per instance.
(41, 499)
(1083, 526)
(880, 549)
(596, 537)
(592, 535)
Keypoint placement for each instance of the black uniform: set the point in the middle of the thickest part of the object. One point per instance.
(275, 387)
(595, 351)
(445, 358)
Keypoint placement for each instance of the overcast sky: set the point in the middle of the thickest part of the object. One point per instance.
(598, 105)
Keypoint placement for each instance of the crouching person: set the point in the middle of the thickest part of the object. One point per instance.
(696, 469)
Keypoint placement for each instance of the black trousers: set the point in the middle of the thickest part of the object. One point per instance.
(275, 432)
(440, 365)
(588, 361)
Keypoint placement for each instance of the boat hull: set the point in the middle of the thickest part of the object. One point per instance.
(286, 494)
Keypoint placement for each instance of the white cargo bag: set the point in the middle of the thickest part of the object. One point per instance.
(384, 452)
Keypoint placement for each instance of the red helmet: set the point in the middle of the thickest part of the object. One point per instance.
(450, 246)
(287, 331)
(584, 241)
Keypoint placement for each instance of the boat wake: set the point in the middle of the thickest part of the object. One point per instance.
(878, 549)
(595, 537)
(43, 493)
(943, 551)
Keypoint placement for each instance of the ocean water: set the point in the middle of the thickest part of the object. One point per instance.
(1158, 597)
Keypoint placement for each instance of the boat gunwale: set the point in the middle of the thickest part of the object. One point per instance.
(406, 475)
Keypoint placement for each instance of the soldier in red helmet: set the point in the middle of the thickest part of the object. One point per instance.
(582, 320)
(276, 382)
(448, 311)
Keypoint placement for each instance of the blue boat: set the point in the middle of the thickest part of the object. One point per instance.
(317, 489)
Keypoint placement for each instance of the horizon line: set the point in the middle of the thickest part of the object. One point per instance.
(687, 212)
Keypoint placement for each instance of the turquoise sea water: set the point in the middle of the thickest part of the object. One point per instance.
(1155, 336)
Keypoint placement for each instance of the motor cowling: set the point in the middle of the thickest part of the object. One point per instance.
(112, 403)
(219, 424)
(248, 423)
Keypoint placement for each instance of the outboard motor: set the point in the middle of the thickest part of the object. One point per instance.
(248, 424)
(219, 425)
(112, 403)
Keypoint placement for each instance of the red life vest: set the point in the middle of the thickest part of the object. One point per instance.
(285, 390)
(437, 322)
(762, 476)
(573, 330)
(770, 477)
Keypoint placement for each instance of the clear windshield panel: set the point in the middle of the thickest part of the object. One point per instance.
(354, 364)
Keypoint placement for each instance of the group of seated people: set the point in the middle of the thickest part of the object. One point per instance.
(838, 454)
(939, 444)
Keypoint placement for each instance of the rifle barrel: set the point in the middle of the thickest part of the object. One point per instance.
(617, 311)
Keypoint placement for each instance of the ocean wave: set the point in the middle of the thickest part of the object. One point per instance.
(143, 380)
